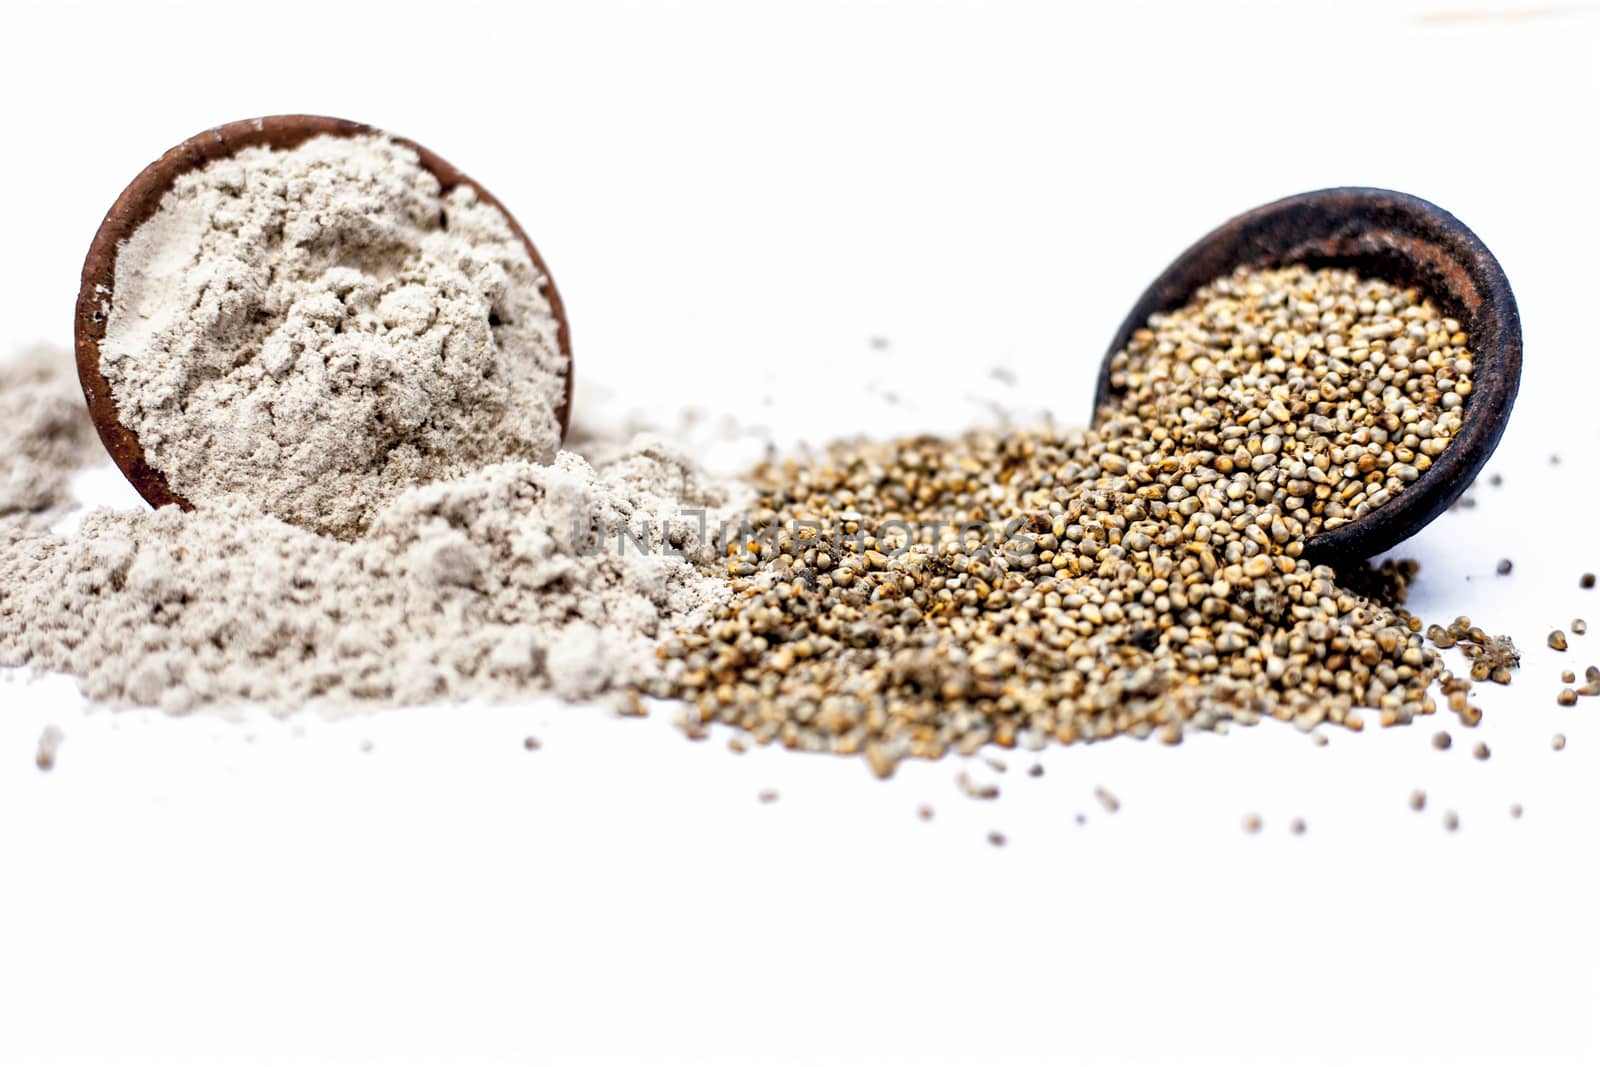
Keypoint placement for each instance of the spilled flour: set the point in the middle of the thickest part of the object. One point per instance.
(44, 430)
(318, 329)
(515, 579)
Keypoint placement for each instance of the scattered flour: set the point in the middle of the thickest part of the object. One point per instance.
(513, 580)
(319, 329)
(45, 431)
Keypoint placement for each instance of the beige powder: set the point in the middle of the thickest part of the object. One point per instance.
(511, 581)
(44, 430)
(320, 329)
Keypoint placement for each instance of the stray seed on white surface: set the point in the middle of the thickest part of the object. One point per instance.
(1516, 811)
(997, 839)
(1503, 567)
(768, 796)
(531, 743)
(1319, 739)
(1566, 698)
(1558, 742)
(1568, 677)
(925, 812)
(1557, 640)
(976, 790)
(1480, 751)
(1586, 582)
(1252, 824)
(1297, 826)
(1419, 800)
(1580, 627)
(44, 756)
(1107, 801)
(1451, 821)
(1441, 740)
(738, 745)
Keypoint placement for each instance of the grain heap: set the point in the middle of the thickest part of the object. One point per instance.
(927, 595)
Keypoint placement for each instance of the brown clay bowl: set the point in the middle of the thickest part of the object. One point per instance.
(139, 202)
(1403, 240)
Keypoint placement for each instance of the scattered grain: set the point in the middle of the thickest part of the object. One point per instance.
(923, 596)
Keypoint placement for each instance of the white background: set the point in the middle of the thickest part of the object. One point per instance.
(734, 199)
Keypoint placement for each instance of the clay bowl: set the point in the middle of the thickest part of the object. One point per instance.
(140, 200)
(1403, 240)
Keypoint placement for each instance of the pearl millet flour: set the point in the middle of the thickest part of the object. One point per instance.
(317, 330)
(44, 430)
(509, 581)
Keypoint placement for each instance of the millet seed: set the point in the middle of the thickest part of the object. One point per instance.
(1140, 578)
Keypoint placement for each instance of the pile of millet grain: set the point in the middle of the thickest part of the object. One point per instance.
(1143, 576)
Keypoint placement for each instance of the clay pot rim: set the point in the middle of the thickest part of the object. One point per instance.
(1402, 239)
(139, 202)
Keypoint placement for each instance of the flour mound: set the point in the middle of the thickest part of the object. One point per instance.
(517, 579)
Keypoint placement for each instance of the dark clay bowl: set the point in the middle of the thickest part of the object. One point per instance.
(1403, 240)
(139, 202)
